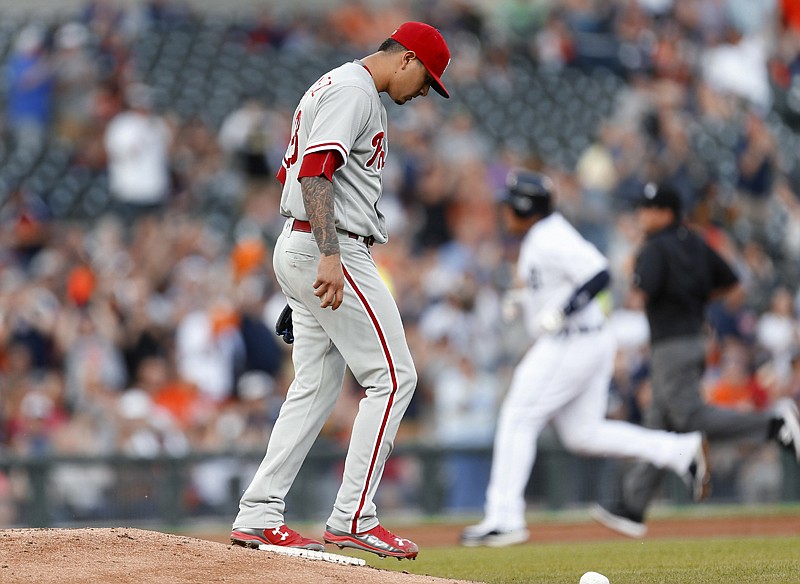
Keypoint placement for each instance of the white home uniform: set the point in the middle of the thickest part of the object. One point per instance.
(564, 378)
(342, 111)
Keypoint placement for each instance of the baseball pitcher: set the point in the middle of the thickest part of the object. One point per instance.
(342, 314)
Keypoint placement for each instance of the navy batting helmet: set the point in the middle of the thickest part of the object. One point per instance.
(529, 193)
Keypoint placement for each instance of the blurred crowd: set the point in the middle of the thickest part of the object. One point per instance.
(149, 330)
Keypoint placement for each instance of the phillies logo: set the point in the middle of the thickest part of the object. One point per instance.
(321, 84)
(378, 157)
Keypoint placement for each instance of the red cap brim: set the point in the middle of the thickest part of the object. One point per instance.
(438, 86)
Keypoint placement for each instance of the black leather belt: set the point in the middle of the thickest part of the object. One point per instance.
(579, 330)
(305, 227)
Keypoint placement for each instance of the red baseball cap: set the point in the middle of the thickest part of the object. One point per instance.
(430, 47)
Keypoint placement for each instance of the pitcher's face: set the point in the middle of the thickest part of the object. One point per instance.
(411, 79)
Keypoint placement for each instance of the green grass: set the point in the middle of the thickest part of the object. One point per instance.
(721, 560)
(763, 560)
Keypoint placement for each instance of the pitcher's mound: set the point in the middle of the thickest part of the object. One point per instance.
(125, 555)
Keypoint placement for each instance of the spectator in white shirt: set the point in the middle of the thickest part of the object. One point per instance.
(138, 143)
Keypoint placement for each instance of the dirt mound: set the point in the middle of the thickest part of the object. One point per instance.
(125, 555)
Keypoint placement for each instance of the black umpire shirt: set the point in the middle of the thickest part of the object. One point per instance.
(678, 271)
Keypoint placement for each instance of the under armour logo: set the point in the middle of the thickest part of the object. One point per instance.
(400, 541)
(277, 531)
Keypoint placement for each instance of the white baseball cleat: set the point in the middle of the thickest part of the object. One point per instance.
(789, 432)
(618, 521)
(487, 535)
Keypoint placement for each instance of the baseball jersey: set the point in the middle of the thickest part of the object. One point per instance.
(554, 260)
(342, 112)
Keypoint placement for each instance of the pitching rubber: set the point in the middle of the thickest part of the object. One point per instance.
(313, 555)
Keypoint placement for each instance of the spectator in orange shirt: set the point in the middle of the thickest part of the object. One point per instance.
(737, 387)
(790, 14)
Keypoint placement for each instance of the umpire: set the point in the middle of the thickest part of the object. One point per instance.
(678, 274)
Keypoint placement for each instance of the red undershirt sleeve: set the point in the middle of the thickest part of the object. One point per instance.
(323, 163)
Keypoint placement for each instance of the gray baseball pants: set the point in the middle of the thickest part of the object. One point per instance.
(677, 368)
(365, 334)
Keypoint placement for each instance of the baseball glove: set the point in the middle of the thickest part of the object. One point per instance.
(284, 327)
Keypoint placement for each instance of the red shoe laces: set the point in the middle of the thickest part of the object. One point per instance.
(388, 536)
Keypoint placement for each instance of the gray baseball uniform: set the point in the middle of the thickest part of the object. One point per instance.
(342, 111)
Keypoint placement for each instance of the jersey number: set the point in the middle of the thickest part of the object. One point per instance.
(292, 150)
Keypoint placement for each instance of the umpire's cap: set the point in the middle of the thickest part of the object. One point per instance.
(430, 47)
(661, 197)
(529, 193)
